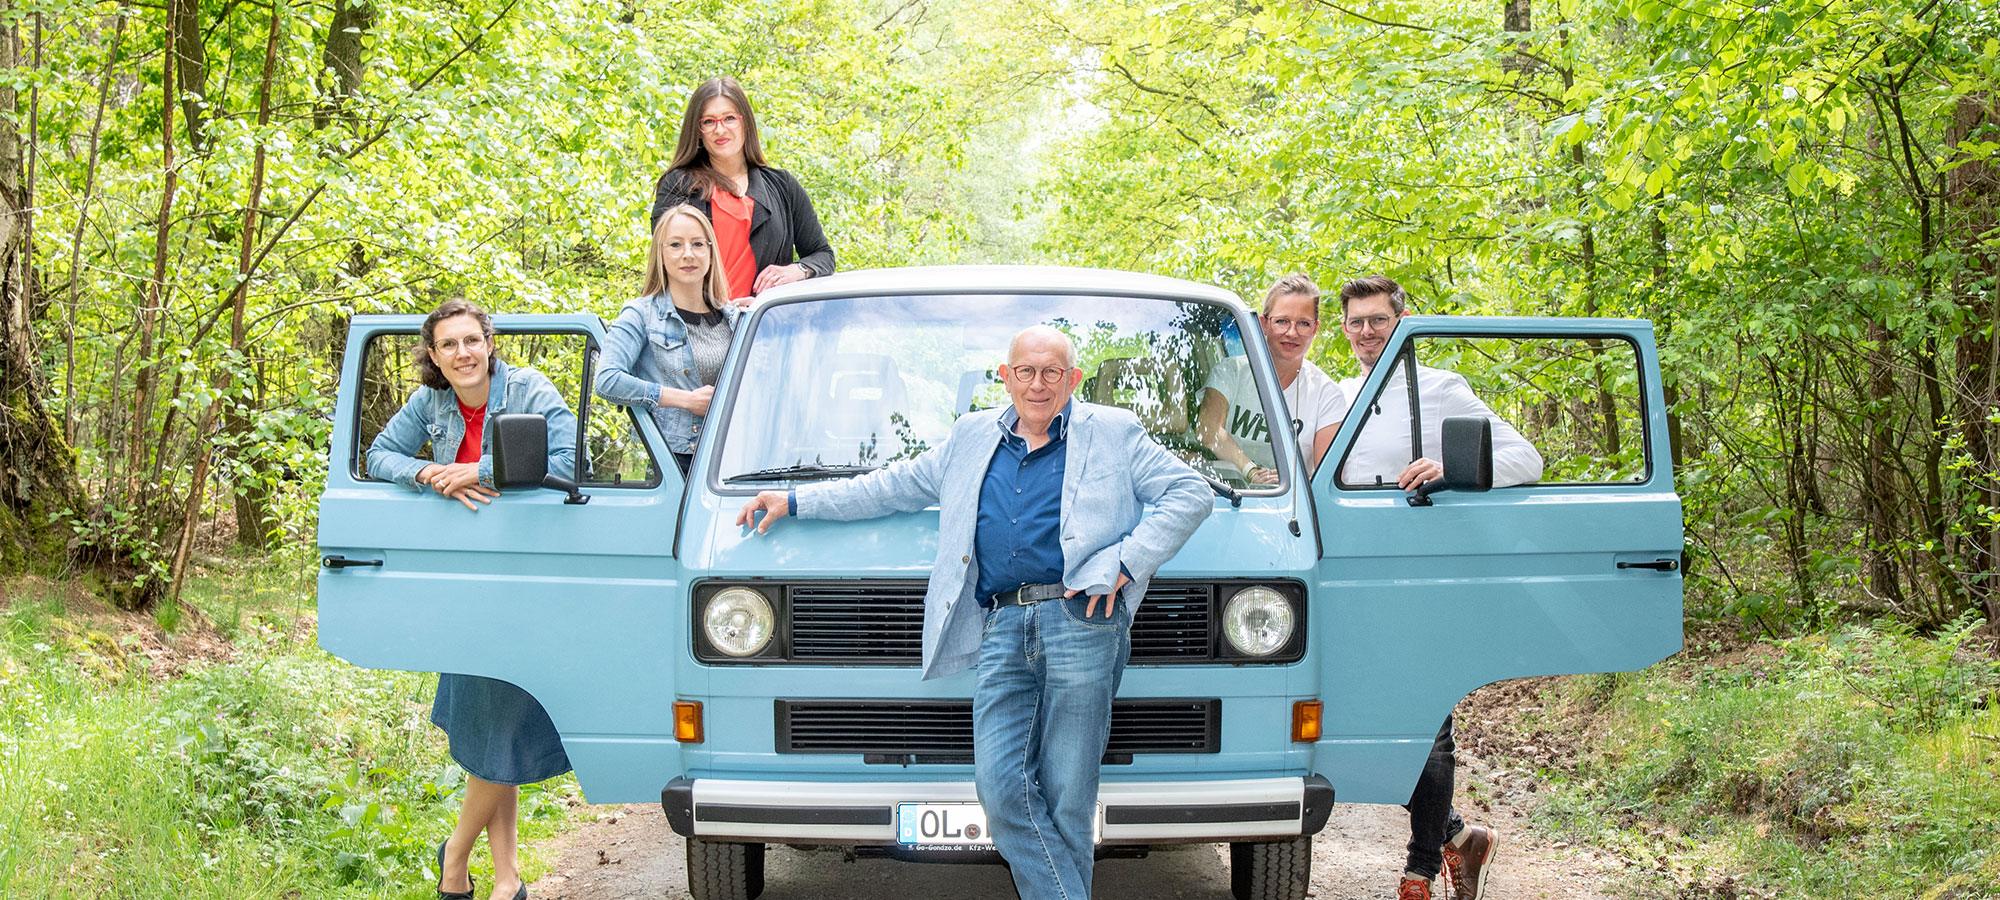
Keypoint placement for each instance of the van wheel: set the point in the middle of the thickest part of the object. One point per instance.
(1272, 870)
(718, 870)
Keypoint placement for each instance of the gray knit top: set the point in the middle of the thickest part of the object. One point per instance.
(708, 338)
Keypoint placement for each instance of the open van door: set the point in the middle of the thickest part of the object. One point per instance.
(1574, 571)
(569, 601)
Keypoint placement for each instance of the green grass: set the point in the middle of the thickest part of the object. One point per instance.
(1861, 763)
(281, 772)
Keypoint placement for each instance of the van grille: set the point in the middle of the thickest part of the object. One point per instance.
(882, 623)
(940, 731)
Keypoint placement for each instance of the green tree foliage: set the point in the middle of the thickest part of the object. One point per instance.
(503, 151)
(1800, 195)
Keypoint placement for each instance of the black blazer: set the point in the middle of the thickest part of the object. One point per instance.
(782, 219)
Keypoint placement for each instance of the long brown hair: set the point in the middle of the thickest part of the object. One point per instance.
(427, 369)
(691, 158)
(714, 287)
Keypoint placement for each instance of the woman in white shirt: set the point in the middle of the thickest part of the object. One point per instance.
(1232, 411)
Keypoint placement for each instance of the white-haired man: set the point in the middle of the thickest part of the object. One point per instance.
(1053, 514)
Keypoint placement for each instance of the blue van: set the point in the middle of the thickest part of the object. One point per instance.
(1303, 646)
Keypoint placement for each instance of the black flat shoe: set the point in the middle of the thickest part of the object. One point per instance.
(471, 886)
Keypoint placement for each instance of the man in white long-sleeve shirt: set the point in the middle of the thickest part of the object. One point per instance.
(1381, 454)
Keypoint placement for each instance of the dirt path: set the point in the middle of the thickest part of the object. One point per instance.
(630, 853)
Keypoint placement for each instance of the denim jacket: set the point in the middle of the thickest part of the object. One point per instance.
(431, 417)
(645, 349)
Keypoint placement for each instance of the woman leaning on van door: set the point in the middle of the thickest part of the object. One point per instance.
(665, 349)
(761, 215)
(499, 734)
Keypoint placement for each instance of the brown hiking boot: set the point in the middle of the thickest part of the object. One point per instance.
(1468, 864)
(1414, 889)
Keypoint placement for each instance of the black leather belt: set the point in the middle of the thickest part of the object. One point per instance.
(1026, 594)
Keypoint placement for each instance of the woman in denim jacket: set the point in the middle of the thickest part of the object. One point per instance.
(665, 349)
(499, 734)
(433, 415)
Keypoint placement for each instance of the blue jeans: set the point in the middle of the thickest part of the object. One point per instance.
(1041, 716)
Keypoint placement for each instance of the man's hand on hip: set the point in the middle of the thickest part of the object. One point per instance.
(1423, 471)
(1110, 600)
(774, 504)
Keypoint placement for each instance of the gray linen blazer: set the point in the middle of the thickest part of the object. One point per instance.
(1125, 500)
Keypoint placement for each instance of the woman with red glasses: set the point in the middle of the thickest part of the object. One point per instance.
(766, 231)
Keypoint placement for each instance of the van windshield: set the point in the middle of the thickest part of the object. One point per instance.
(836, 387)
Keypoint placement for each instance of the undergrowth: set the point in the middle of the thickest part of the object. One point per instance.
(1860, 763)
(267, 769)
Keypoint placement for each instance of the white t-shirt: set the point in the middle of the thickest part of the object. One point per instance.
(1313, 401)
(1382, 449)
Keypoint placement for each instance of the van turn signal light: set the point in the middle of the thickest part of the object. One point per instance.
(1305, 721)
(687, 721)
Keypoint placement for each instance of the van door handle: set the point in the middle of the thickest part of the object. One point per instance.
(337, 561)
(1663, 565)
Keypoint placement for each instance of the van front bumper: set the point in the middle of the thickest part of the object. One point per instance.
(1145, 812)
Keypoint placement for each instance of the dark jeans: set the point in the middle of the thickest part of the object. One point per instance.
(684, 460)
(1432, 820)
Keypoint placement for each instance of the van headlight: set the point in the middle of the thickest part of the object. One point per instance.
(1257, 621)
(738, 621)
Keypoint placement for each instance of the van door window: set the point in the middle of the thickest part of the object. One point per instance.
(1576, 401)
(615, 453)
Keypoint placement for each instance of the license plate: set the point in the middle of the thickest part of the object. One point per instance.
(956, 826)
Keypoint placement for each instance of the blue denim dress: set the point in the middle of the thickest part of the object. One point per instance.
(498, 732)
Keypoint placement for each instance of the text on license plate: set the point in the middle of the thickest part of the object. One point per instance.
(956, 825)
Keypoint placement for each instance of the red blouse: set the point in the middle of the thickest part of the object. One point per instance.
(732, 241)
(475, 432)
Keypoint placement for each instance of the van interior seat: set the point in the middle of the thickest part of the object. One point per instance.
(1152, 389)
(863, 390)
(969, 384)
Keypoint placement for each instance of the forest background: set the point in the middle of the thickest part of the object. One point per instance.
(1802, 195)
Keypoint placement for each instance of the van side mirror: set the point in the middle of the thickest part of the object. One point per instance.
(521, 455)
(1468, 459)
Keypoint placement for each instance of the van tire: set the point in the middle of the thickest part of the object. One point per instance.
(719, 870)
(1271, 870)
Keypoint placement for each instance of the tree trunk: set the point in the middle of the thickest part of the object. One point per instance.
(344, 56)
(104, 80)
(190, 68)
(1517, 16)
(37, 468)
(1972, 196)
(157, 291)
(1879, 495)
(250, 531)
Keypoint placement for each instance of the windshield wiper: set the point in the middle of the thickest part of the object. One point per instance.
(804, 472)
(1222, 487)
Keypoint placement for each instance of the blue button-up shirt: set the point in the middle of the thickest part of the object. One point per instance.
(1019, 535)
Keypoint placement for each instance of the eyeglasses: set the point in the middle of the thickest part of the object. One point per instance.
(472, 343)
(1047, 374)
(1359, 324)
(1292, 324)
(729, 121)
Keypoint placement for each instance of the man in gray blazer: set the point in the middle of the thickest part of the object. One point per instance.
(1053, 514)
